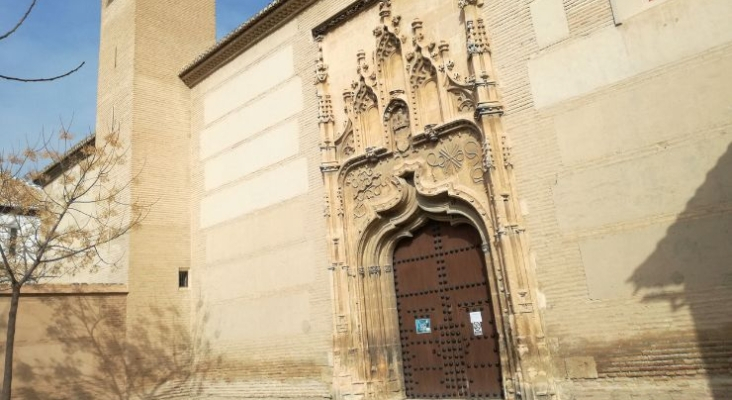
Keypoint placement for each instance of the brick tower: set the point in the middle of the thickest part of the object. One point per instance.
(143, 46)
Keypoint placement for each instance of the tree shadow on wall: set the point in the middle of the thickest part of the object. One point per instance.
(162, 355)
(691, 268)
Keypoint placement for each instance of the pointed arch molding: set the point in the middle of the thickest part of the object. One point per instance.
(418, 142)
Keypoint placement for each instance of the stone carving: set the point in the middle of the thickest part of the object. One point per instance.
(430, 134)
(348, 148)
(462, 96)
(472, 152)
(464, 3)
(397, 119)
(396, 94)
(340, 208)
(345, 144)
(417, 143)
(388, 44)
(326, 208)
(487, 155)
(329, 167)
(422, 70)
(450, 159)
(489, 108)
(325, 108)
(321, 69)
(463, 101)
(477, 37)
(365, 99)
(506, 147)
(366, 185)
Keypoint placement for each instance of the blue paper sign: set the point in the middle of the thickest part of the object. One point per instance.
(422, 326)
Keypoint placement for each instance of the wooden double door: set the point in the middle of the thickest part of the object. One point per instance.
(446, 323)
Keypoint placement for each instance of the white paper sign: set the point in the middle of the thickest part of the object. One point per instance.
(476, 316)
(477, 329)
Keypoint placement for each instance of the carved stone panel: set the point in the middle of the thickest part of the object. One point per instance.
(453, 162)
(419, 137)
(397, 120)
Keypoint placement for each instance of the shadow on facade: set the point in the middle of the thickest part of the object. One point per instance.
(162, 356)
(691, 270)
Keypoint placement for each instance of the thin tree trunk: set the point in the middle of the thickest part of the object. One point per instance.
(10, 343)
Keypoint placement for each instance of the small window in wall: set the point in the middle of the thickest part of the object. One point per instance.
(183, 278)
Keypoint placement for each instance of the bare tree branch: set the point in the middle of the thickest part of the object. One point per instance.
(32, 80)
(6, 267)
(53, 78)
(22, 19)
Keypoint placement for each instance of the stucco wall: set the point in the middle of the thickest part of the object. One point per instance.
(259, 256)
(67, 344)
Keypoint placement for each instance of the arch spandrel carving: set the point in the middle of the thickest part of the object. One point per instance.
(449, 162)
(422, 139)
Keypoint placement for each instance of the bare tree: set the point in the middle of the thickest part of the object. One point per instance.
(59, 223)
(44, 79)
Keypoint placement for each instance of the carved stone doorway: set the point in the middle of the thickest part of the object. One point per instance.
(447, 328)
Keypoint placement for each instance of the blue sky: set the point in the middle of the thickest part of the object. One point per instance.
(57, 36)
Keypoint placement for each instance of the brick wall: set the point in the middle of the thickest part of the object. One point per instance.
(631, 261)
(144, 44)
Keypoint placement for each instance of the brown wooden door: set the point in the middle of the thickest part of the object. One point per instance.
(440, 280)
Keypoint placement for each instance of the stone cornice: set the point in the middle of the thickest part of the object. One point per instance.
(343, 16)
(242, 38)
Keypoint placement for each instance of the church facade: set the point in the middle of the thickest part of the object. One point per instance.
(406, 199)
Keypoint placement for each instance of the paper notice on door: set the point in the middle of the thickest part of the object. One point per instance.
(477, 329)
(422, 326)
(476, 316)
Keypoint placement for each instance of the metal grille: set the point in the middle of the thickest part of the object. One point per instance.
(446, 323)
